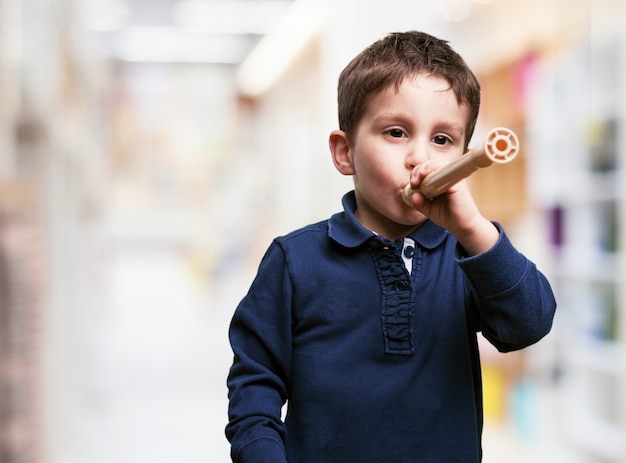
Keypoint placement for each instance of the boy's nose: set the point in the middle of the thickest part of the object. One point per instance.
(416, 155)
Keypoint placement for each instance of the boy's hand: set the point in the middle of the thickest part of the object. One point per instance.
(455, 210)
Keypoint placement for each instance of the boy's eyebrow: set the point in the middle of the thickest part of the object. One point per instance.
(458, 129)
(392, 115)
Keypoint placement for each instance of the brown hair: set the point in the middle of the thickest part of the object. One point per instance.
(388, 61)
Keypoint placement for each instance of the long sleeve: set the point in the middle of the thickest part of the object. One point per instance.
(260, 336)
(515, 303)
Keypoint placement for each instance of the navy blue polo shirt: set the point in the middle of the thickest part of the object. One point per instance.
(377, 361)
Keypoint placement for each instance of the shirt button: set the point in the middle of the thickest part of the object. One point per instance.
(409, 252)
(401, 286)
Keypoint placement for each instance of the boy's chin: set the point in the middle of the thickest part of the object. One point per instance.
(413, 218)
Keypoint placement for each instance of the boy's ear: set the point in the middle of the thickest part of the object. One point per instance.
(341, 152)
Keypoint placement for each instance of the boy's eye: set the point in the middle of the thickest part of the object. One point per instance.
(441, 140)
(396, 133)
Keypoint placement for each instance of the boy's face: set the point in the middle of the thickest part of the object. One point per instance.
(400, 129)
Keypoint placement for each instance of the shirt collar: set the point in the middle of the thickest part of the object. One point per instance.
(346, 230)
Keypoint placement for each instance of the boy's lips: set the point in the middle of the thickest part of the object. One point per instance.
(406, 193)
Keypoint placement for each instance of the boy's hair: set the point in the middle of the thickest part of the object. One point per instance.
(388, 61)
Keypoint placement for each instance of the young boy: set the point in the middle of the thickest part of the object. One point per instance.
(365, 324)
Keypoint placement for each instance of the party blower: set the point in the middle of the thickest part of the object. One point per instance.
(501, 146)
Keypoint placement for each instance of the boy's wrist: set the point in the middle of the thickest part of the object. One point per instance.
(479, 238)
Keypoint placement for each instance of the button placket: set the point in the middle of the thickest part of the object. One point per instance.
(397, 304)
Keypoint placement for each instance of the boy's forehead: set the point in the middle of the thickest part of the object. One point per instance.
(426, 81)
(384, 103)
(422, 78)
(432, 81)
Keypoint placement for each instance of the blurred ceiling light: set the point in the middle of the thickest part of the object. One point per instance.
(277, 49)
(456, 10)
(103, 15)
(230, 16)
(168, 44)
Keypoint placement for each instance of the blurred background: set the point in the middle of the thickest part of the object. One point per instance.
(151, 149)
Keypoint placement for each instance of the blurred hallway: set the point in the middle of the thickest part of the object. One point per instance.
(159, 365)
